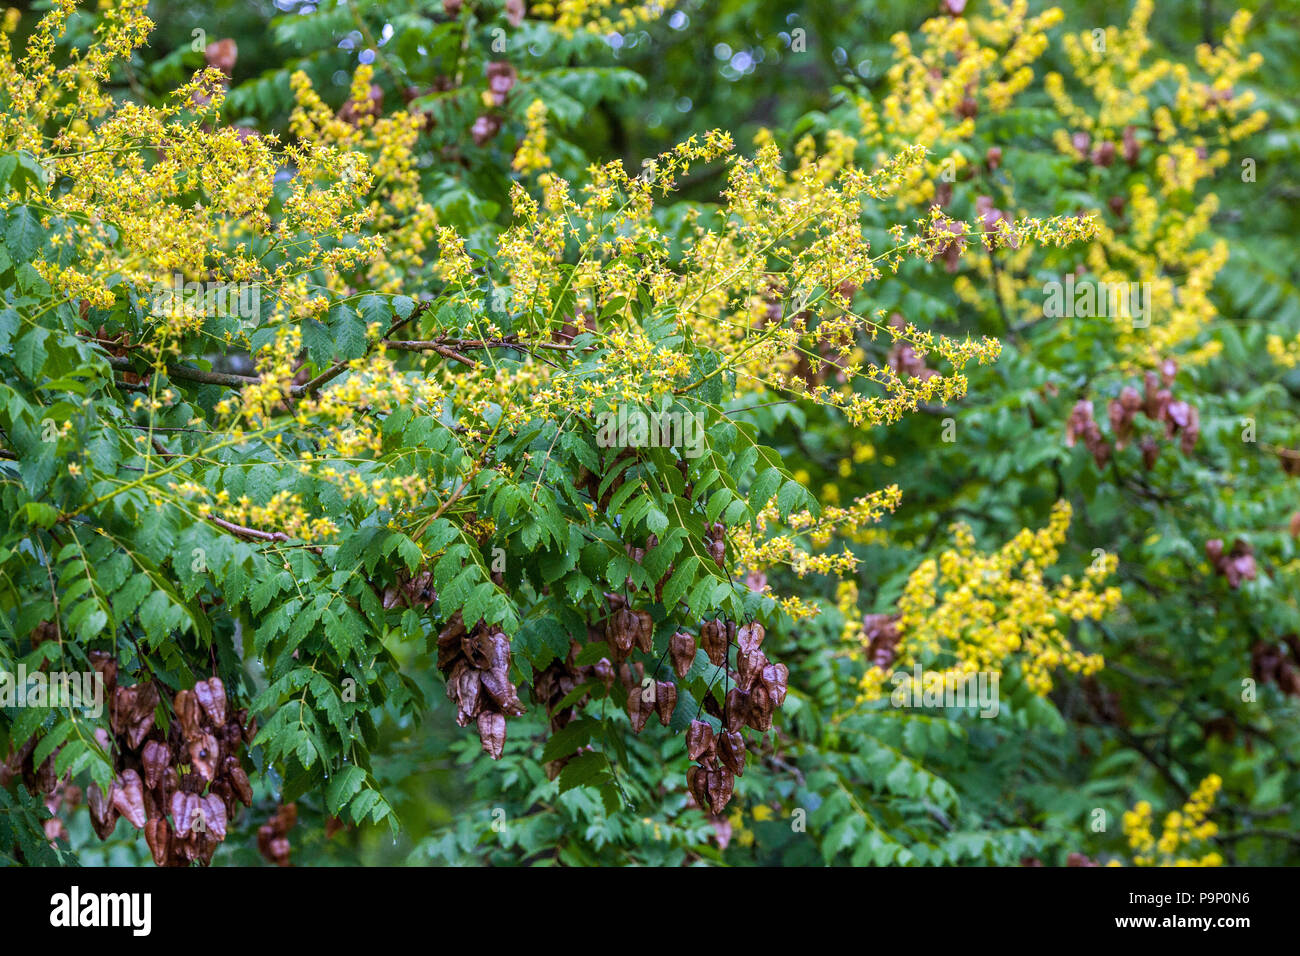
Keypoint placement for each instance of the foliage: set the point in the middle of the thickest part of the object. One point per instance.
(455, 350)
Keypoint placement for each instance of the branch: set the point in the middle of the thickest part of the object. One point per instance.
(123, 364)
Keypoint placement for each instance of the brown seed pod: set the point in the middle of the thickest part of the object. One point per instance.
(214, 815)
(103, 814)
(760, 709)
(211, 695)
(713, 638)
(699, 739)
(188, 712)
(645, 631)
(156, 758)
(750, 665)
(158, 834)
(239, 780)
(638, 708)
(697, 782)
(185, 808)
(665, 700)
(681, 648)
(492, 733)
(736, 709)
(731, 751)
(776, 678)
(204, 753)
(721, 782)
(621, 632)
(750, 637)
(127, 794)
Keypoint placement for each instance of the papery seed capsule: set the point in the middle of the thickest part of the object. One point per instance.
(211, 695)
(158, 834)
(128, 798)
(665, 700)
(638, 709)
(103, 814)
(204, 753)
(736, 709)
(713, 638)
(188, 711)
(645, 631)
(776, 678)
(681, 648)
(699, 739)
(492, 733)
(721, 784)
(239, 781)
(750, 637)
(731, 751)
(156, 758)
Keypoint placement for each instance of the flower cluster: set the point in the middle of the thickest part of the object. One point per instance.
(968, 612)
(1183, 830)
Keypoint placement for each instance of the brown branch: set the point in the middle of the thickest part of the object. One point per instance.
(123, 364)
(244, 532)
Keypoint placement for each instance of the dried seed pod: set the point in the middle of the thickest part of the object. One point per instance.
(681, 648)
(750, 664)
(204, 754)
(638, 709)
(699, 739)
(127, 795)
(103, 814)
(697, 782)
(736, 709)
(185, 808)
(158, 834)
(621, 631)
(713, 638)
(665, 700)
(721, 782)
(214, 815)
(239, 780)
(106, 664)
(645, 631)
(760, 709)
(492, 734)
(776, 678)
(156, 758)
(188, 712)
(731, 751)
(211, 695)
(750, 637)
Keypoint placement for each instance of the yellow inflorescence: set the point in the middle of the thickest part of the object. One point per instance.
(1182, 830)
(969, 612)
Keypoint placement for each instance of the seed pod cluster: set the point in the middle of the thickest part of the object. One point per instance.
(476, 665)
(191, 772)
(1278, 663)
(626, 629)
(1156, 402)
(760, 687)
(715, 543)
(881, 632)
(556, 681)
(1236, 565)
(411, 591)
(273, 836)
